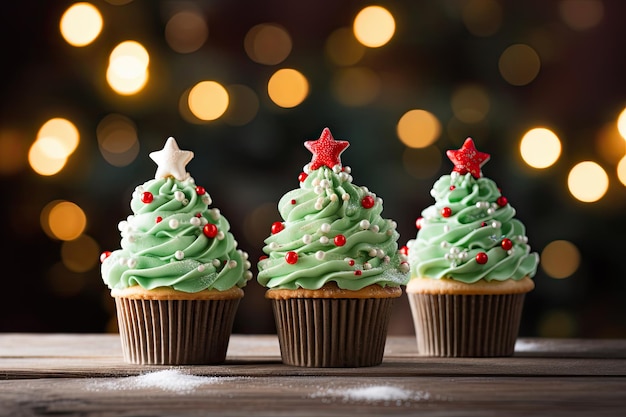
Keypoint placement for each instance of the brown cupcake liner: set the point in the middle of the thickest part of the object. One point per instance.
(175, 332)
(466, 325)
(332, 332)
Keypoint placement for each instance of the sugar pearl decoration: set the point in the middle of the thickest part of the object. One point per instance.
(179, 195)
(325, 227)
(201, 268)
(220, 235)
(179, 254)
(173, 223)
(273, 245)
(324, 240)
(232, 264)
(195, 221)
(306, 239)
(216, 262)
(319, 255)
(364, 224)
(345, 196)
(375, 228)
(131, 263)
(333, 197)
(206, 199)
(367, 266)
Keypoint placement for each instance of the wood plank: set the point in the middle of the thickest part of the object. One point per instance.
(323, 395)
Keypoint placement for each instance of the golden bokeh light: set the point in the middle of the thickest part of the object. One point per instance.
(560, 259)
(80, 254)
(470, 103)
(356, 86)
(127, 73)
(540, 147)
(13, 151)
(621, 170)
(268, 44)
(422, 163)
(243, 105)
(40, 160)
(208, 100)
(418, 128)
(186, 31)
(609, 143)
(621, 123)
(65, 220)
(117, 140)
(81, 24)
(482, 17)
(581, 14)
(374, 26)
(64, 132)
(519, 64)
(343, 49)
(287, 87)
(588, 182)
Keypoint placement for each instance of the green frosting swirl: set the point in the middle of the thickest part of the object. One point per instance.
(335, 237)
(163, 244)
(446, 247)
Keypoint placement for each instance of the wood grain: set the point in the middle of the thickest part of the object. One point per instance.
(64, 374)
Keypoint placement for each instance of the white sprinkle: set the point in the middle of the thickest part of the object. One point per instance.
(375, 228)
(319, 255)
(364, 224)
(324, 240)
(345, 196)
(325, 227)
(171, 380)
(173, 223)
(220, 235)
(201, 268)
(306, 239)
(232, 264)
(376, 393)
(179, 254)
(132, 263)
(195, 221)
(179, 195)
(216, 262)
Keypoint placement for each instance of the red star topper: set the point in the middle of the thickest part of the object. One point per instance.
(468, 159)
(326, 150)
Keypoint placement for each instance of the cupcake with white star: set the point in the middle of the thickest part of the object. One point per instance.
(471, 265)
(178, 277)
(333, 269)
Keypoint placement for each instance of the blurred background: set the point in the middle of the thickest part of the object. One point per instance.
(90, 89)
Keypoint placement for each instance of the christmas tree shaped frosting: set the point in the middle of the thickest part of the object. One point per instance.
(470, 233)
(173, 239)
(332, 230)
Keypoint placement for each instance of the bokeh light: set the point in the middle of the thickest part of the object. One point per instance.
(422, 163)
(243, 105)
(374, 26)
(418, 128)
(64, 132)
(56, 141)
(587, 181)
(482, 17)
(80, 254)
(581, 14)
(208, 100)
(117, 140)
(519, 64)
(470, 103)
(81, 24)
(621, 123)
(287, 87)
(64, 220)
(560, 259)
(540, 147)
(609, 143)
(356, 86)
(127, 73)
(186, 31)
(267, 44)
(343, 49)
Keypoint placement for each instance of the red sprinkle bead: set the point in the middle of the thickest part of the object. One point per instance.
(404, 250)
(303, 176)
(293, 201)
(452, 187)
(419, 222)
(210, 230)
(340, 240)
(198, 215)
(482, 258)
(446, 212)
(291, 257)
(502, 201)
(147, 197)
(263, 257)
(358, 272)
(351, 262)
(483, 224)
(104, 255)
(200, 190)
(506, 244)
(277, 227)
(368, 202)
(158, 219)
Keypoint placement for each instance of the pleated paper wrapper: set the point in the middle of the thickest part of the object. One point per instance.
(332, 332)
(449, 325)
(175, 332)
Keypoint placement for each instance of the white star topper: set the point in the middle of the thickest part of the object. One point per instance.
(171, 161)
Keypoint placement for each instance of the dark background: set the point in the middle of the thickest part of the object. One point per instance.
(579, 90)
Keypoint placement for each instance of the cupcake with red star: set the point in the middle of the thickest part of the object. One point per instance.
(471, 265)
(178, 277)
(333, 268)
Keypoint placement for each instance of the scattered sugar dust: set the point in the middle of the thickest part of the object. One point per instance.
(386, 394)
(172, 380)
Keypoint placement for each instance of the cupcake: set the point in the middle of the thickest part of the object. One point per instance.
(333, 269)
(178, 276)
(471, 265)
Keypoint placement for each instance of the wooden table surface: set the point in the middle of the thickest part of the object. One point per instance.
(69, 374)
